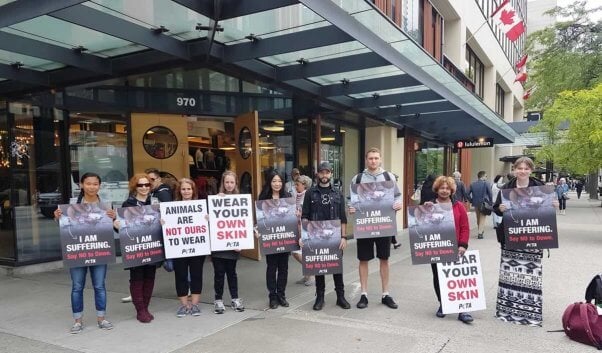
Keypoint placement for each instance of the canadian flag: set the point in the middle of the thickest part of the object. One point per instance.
(508, 20)
(527, 94)
(520, 63)
(521, 77)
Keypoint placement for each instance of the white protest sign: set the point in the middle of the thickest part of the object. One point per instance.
(231, 222)
(461, 284)
(185, 228)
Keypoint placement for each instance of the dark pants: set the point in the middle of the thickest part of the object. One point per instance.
(436, 281)
(143, 273)
(562, 203)
(222, 268)
(188, 265)
(579, 193)
(276, 274)
(339, 286)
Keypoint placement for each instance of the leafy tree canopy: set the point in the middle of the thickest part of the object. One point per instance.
(566, 56)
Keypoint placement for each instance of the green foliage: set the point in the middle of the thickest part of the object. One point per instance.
(567, 56)
(579, 149)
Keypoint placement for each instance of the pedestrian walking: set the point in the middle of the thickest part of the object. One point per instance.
(366, 247)
(497, 184)
(324, 202)
(276, 274)
(562, 192)
(89, 187)
(480, 191)
(224, 262)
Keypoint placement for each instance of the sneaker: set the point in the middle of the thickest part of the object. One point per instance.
(183, 311)
(480, 236)
(363, 303)
(465, 318)
(301, 281)
(195, 310)
(237, 305)
(439, 312)
(309, 283)
(396, 245)
(126, 299)
(105, 325)
(76, 328)
(388, 301)
(218, 307)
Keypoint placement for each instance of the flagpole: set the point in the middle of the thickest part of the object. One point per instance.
(475, 32)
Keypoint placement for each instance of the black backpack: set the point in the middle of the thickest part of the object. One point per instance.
(594, 290)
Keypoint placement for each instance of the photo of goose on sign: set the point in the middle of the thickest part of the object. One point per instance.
(231, 222)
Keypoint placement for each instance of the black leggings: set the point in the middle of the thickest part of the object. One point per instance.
(562, 203)
(182, 267)
(141, 273)
(276, 274)
(221, 269)
(436, 281)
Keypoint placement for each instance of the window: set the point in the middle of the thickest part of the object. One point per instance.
(499, 100)
(476, 71)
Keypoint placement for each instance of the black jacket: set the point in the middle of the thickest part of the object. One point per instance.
(499, 231)
(163, 193)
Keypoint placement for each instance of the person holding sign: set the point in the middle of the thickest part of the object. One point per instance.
(89, 185)
(445, 187)
(142, 278)
(188, 266)
(224, 262)
(519, 300)
(365, 246)
(323, 202)
(276, 274)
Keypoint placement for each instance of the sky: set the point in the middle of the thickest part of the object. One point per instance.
(590, 4)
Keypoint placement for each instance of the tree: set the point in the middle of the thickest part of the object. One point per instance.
(578, 149)
(565, 56)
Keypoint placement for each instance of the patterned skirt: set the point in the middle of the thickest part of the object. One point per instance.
(520, 297)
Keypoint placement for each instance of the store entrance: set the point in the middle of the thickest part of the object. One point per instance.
(201, 148)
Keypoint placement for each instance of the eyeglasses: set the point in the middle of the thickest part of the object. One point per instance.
(147, 185)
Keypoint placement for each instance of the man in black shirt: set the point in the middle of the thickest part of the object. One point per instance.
(322, 203)
(161, 191)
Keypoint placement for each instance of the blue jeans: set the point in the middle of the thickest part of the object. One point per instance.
(78, 280)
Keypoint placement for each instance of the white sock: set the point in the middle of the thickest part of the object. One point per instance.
(385, 294)
(365, 293)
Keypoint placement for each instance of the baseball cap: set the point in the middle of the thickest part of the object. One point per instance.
(325, 166)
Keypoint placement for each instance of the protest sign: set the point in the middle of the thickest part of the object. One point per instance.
(231, 222)
(278, 225)
(461, 284)
(140, 235)
(320, 253)
(185, 228)
(530, 218)
(432, 233)
(86, 235)
(374, 213)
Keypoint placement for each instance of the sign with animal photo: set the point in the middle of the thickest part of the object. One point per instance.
(461, 284)
(140, 235)
(432, 233)
(374, 213)
(320, 252)
(185, 228)
(86, 235)
(231, 222)
(530, 218)
(278, 225)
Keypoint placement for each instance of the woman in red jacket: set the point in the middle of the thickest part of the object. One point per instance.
(445, 188)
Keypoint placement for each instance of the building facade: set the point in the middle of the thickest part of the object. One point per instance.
(193, 90)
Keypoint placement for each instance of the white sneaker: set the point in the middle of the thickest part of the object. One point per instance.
(237, 305)
(127, 299)
(218, 307)
(76, 328)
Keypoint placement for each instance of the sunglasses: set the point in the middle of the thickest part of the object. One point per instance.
(147, 185)
(153, 179)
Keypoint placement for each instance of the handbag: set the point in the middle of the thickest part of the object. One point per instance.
(565, 196)
(168, 265)
(485, 207)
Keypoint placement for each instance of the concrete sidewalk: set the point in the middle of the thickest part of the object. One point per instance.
(36, 314)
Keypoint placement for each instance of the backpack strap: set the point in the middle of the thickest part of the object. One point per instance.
(387, 176)
(358, 178)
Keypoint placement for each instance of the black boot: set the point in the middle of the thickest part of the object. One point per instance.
(282, 301)
(273, 302)
(319, 304)
(341, 301)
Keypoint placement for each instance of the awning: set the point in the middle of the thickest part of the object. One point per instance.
(344, 53)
